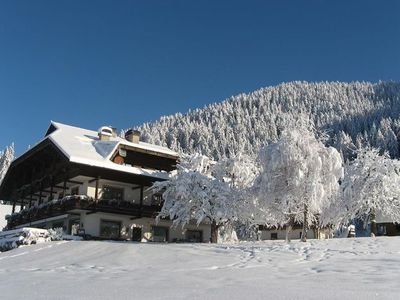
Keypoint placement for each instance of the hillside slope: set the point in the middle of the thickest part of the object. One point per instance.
(353, 114)
(363, 268)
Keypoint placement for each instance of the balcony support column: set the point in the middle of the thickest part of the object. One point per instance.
(14, 204)
(96, 191)
(51, 187)
(40, 194)
(64, 186)
(30, 199)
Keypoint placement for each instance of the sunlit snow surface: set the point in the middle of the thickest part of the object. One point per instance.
(363, 268)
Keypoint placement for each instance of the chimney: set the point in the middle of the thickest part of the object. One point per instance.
(105, 133)
(114, 131)
(132, 136)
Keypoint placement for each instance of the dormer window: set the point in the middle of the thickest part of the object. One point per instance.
(141, 158)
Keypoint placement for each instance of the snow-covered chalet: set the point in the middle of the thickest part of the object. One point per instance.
(95, 184)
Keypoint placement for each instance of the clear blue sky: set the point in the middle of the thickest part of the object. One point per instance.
(90, 63)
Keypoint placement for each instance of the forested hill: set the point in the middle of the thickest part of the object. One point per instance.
(353, 114)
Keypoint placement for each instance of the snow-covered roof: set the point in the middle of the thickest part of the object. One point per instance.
(84, 147)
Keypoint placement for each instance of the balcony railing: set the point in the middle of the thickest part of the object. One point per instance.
(58, 207)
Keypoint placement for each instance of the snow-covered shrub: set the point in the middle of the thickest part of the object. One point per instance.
(28, 236)
(56, 234)
(227, 234)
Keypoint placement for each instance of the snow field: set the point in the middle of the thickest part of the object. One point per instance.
(363, 268)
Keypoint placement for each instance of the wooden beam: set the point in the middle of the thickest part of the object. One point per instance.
(115, 175)
(37, 195)
(74, 182)
(141, 196)
(60, 187)
(45, 191)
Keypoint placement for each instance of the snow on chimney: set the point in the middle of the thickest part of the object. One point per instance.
(132, 136)
(105, 132)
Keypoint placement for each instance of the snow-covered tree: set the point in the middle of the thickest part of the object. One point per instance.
(240, 172)
(6, 157)
(299, 178)
(344, 144)
(193, 193)
(371, 185)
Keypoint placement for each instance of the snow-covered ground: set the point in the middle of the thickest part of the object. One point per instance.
(363, 268)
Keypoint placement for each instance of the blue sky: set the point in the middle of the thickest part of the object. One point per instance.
(91, 63)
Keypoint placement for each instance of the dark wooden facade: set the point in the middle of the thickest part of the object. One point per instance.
(44, 170)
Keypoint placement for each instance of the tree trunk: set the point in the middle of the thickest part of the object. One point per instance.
(214, 232)
(289, 228)
(305, 224)
(372, 217)
(317, 232)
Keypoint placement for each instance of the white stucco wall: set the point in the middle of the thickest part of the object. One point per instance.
(91, 224)
(5, 209)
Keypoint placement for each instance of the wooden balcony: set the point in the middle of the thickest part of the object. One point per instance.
(72, 203)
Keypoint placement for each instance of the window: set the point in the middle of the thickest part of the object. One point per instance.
(110, 229)
(74, 224)
(194, 236)
(274, 236)
(112, 193)
(58, 224)
(75, 190)
(160, 234)
(156, 199)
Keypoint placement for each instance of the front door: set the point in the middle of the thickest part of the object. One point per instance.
(136, 234)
